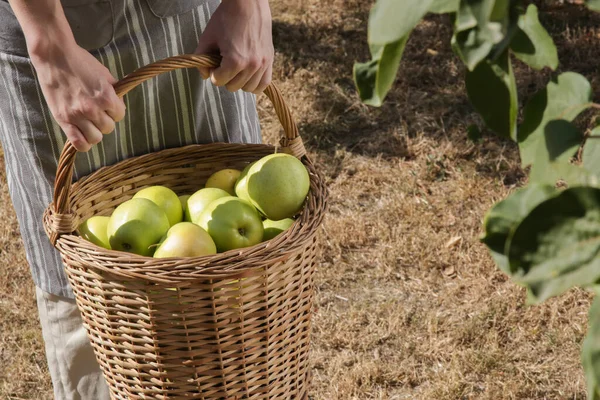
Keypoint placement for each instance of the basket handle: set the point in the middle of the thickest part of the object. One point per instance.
(62, 221)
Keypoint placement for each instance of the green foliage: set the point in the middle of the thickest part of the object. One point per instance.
(390, 24)
(591, 152)
(532, 44)
(375, 78)
(556, 247)
(391, 20)
(479, 26)
(590, 352)
(545, 238)
(506, 215)
(571, 174)
(593, 4)
(563, 99)
(444, 6)
(560, 141)
(499, 111)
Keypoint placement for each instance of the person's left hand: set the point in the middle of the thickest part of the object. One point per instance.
(240, 30)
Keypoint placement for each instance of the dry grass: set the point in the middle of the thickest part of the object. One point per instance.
(409, 305)
(23, 371)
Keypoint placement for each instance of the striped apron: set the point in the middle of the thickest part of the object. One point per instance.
(171, 110)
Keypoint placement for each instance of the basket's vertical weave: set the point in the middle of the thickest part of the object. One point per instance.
(231, 326)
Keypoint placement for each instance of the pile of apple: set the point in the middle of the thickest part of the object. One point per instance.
(235, 209)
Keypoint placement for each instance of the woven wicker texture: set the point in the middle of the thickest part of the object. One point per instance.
(235, 325)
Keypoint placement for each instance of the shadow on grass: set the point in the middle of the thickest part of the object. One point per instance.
(428, 98)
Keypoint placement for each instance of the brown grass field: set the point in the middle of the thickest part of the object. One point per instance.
(409, 305)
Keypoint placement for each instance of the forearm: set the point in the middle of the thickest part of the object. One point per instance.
(77, 87)
(44, 25)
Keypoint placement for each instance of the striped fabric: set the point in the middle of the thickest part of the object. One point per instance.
(169, 111)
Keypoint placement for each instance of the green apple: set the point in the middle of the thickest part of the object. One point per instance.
(94, 230)
(201, 199)
(166, 199)
(274, 228)
(277, 185)
(241, 188)
(233, 223)
(136, 225)
(185, 239)
(224, 179)
(183, 199)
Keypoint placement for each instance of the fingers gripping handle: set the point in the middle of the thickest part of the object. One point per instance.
(62, 220)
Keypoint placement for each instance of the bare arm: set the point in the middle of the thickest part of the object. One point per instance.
(76, 86)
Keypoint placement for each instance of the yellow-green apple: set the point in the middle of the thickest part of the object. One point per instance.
(274, 228)
(185, 239)
(94, 230)
(201, 199)
(240, 185)
(224, 179)
(136, 225)
(166, 199)
(277, 185)
(183, 199)
(233, 223)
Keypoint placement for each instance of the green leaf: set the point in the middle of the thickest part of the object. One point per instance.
(557, 246)
(562, 139)
(564, 98)
(594, 5)
(591, 152)
(560, 143)
(471, 47)
(444, 6)
(532, 44)
(506, 215)
(482, 11)
(392, 20)
(375, 78)
(492, 91)
(479, 26)
(574, 175)
(590, 351)
(465, 18)
(500, 10)
(390, 24)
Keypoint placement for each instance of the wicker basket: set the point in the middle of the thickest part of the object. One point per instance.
(234, 325)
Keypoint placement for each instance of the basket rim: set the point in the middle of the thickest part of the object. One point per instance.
(233, 263)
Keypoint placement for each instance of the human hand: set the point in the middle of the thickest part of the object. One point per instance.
(79, 93)
(240, 30)
(77, 87)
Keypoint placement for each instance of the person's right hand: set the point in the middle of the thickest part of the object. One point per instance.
(79, 93)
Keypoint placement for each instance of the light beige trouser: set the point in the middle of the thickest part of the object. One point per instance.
(71, 361)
